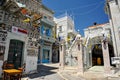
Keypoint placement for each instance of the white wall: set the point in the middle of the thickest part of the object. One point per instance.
(17, 37)
(31, 65)
(115, 23)
(66, 22)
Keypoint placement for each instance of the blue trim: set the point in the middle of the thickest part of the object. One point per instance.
(38, 61)
(45, 60)
(42, 30)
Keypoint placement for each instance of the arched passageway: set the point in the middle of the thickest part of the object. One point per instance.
(97, 55)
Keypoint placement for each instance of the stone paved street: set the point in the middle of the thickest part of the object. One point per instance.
(45, 72)
(51, 72)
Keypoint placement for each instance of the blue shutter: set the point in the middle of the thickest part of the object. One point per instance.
(42, 30)
(49, 32)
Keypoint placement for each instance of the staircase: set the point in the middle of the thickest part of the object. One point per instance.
(71, 55)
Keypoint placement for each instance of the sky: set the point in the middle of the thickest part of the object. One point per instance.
(84, 12)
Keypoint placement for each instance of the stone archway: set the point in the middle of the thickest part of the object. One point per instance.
(97, 51)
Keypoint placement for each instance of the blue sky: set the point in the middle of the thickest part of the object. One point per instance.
(84, 12)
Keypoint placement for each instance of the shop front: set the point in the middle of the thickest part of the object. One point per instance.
(13, 47)
(45, 52)
(45, 57)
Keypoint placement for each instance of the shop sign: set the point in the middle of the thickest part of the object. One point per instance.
(31, 52)
(115, 60)
(18, 30)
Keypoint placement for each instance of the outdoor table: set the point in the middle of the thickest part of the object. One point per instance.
(11, 72)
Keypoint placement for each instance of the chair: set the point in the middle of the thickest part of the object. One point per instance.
(4, 66)
(17, 77)
(10, 66)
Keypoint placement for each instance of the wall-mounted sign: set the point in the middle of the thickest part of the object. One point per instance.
(115, 60)
(18, 30)
(31, 52)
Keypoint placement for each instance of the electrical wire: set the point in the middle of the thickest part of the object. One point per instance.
(89, 10)
(72, 9)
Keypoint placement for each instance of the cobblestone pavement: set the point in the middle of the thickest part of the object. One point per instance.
(45, 72)
(51, 72)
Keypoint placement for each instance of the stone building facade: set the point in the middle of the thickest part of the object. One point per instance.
(47, 30)
(66, 31)
(94, 53)
(65, 28)
(113, 11)
(19, 38)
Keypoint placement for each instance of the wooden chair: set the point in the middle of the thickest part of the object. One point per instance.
(4, 66)
(17, 77)
(10, 66)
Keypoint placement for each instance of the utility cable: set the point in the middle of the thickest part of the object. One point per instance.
(71, 9)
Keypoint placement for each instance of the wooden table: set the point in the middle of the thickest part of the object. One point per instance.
(11, 72)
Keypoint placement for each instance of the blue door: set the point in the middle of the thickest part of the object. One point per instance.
(45, 56)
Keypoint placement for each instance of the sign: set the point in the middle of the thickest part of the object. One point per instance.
(18, 30)
(31, 52)
(115, 60)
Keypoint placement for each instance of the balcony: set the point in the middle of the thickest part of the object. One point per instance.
(46, 21)
(47, 38)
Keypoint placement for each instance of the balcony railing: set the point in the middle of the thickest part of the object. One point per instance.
(47, 38)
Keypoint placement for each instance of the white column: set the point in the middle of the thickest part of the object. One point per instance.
(80, 55)
(106, 57)
(62, 52)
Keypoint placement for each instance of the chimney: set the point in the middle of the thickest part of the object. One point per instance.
(95, 23)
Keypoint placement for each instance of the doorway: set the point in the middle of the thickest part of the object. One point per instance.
(15, 53)
(97, 55)
(45, 56)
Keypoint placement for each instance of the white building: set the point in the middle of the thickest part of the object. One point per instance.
(47, 39)
(18, 40)
(65, 28)
(66, 31)
(94, 36)
(113, 10)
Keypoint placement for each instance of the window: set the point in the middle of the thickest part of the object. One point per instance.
(42, 30)
(48, 32)
(45, 17)
(60, 28)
